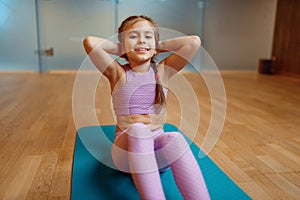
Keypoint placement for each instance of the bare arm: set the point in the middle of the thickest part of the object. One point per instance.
(183, 48)
(99, 51)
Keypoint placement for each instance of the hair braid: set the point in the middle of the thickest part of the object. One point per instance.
(159, 96)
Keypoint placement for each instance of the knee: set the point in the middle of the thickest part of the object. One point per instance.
(174, 142)
(138, 130)
(174, 137)
(139, 138)
(174, 145)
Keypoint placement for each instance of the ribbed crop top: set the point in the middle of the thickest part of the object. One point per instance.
(137, 95)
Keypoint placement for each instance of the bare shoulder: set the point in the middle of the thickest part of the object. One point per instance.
(116, 75)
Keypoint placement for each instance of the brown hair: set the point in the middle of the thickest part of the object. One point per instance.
(128, 22)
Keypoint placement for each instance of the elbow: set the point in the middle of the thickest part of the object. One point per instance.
(85, 41)
(87, 44)
(195, 39)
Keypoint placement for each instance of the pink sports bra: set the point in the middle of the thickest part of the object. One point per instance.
(137, 95)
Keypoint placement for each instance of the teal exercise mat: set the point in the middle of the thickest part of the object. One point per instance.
(93, 180)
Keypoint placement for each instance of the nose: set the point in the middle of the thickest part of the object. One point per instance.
(142, 40)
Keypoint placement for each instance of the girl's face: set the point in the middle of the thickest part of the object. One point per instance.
(139, 42)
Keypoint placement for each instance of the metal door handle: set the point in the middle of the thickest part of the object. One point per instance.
(45, 52)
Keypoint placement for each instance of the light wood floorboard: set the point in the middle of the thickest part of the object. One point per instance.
(259, 147)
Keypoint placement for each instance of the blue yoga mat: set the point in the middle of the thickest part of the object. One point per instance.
(93, 180)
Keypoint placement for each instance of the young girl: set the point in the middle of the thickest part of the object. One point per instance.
(141, 147)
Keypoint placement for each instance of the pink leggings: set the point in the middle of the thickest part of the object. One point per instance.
(143, 153)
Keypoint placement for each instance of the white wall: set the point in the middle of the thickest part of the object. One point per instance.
(239, 32)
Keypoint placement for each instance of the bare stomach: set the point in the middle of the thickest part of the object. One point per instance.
(153, 121)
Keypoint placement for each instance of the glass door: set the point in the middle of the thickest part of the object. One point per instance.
(18, 36)
(64, 24)
(182, 16)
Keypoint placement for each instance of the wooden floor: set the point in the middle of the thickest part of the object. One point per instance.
(259, 147)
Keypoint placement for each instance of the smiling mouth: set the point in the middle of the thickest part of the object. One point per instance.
(142, 49)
